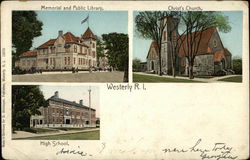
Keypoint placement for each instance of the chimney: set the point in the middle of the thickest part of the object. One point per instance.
(56, 94)
(60, 33)
(80, 102)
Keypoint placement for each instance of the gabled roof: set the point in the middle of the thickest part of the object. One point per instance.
(153, 45)
(88, 34)
(68, 37)
(29, 54)
(53, 98)
(227, 52)
(47, 44)
(203, 46)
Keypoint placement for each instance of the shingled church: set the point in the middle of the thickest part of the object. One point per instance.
(212, 57)
(66, 52)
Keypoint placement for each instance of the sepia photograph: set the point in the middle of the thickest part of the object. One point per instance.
(69, 46)
(187, 46)
(55, 112)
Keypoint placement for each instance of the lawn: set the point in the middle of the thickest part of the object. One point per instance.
(232, 79)
(71, 129)
(39, 130)
(91, 135)
(148, 78)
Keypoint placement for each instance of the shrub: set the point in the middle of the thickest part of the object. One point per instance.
(237, 66)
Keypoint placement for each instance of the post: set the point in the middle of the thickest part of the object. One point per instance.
(89, 106)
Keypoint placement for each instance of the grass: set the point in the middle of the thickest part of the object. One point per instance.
(70, 129)
(147, 78)
(39, 130)
(232, 79)
(91, 135)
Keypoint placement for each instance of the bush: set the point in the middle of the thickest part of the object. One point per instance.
(30, 130)
(237, 66)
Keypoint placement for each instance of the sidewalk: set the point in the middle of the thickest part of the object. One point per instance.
(23, 134)
(208, 80)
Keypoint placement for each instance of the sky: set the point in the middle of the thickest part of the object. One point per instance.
(74, 93)
(231, 40)
(100, 22)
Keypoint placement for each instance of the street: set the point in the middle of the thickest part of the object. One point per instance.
(70, 77)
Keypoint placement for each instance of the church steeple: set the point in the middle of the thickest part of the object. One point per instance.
(88, 34)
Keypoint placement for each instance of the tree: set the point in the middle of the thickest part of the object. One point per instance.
(136, 65)
(26, 101)
(100, 49)
(237, 65)
(116, 45)
(194, 23)
(149, 26)
(25, 27)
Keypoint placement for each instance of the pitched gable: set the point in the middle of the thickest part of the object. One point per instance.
(153, 50)
(88, 34)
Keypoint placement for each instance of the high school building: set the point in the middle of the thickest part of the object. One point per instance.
(66, 52)
(64, 113)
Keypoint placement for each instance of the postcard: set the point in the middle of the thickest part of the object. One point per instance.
(125, 80)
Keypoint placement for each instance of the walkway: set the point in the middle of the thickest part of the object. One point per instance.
(208, 80)
(23, 134)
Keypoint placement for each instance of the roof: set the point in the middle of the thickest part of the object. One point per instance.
(227, 52)
(153, 45)
(68, 37)
(47, 44)
(88, 34)
(29, 54)
(53, 98)
(203, 46)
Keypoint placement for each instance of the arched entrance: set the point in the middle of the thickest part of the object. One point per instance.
(223, 63)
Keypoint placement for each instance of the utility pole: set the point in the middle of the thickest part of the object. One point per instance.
(89, 106)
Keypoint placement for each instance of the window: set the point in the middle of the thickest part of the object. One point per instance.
(165, 35)
(85, 51)
(215, 43)
(80, 49)
(68, 60)
(28, 62)
(79, 61)
(93, 45)
(75, 48)
(65, 60)
(93, 52)
(74, 60)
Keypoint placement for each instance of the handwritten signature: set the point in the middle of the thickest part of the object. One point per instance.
(218, 151)
(73, 151)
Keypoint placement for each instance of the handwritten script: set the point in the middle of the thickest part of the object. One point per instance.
(64, 151)
(217, 151)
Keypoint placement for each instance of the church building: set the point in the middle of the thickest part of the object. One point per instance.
(212, 57)
(66, 52)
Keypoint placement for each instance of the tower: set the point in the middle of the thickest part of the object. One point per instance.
(90, 39)
(169, 40)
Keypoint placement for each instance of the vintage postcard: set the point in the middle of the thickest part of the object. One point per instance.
(125, 80)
